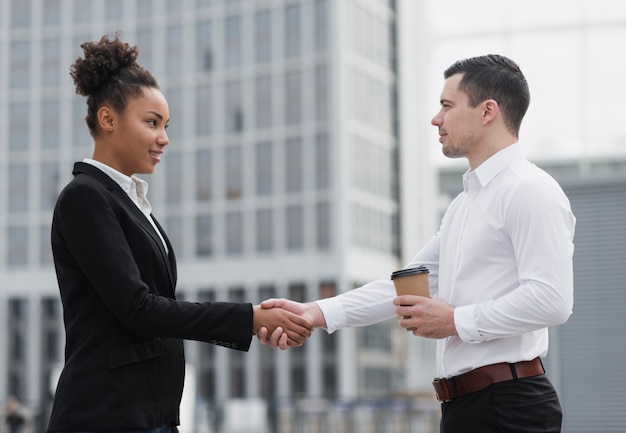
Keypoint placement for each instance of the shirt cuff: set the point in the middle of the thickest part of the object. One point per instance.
(465, 322)
(334, 314)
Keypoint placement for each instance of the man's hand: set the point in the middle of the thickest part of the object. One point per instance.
(425, 317)
(308, 311)
(296, 328)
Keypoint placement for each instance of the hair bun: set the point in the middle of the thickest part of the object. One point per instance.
(102, 62)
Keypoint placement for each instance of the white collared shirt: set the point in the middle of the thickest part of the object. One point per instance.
(502, 258)
(136, 188)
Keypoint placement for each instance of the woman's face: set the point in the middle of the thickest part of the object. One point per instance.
(140, 136)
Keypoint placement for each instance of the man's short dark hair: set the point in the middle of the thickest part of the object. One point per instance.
(494, 77)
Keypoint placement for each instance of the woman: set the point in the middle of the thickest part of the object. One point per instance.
(124, 361)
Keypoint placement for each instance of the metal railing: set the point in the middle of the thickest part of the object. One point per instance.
(394, 415)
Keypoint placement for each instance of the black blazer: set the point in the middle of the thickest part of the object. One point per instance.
(124, 361)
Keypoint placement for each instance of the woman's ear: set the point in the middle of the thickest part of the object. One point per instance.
(106, 119)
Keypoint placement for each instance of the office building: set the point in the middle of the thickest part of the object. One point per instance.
(288, 146)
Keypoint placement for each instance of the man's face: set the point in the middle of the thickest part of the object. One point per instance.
(458, 123)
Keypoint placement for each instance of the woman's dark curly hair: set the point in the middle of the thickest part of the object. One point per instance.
(109, 75)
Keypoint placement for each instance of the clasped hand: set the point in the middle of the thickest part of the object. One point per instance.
(425, 317)
(288, 326)
(308, 312)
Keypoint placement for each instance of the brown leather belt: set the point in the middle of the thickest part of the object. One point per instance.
(483, 377)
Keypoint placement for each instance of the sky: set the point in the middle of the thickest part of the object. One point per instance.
(572, 54)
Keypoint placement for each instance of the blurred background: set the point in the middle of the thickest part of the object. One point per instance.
(301, 164)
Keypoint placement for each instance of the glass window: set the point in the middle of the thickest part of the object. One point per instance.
(295, 228)
(114, 9)
(82, 11)
(322, 162)
(292, 30)
(145, 8)
(51, 62)
(262, 36)
(20, 64)
(82, 138)
(201, 4)
(174, 230)
(174, 174)
(321, 93)
(267, 364)
(294, 165)
(597, 112)
(264, 230)
(297, 292)
(146, 47)
(77, 40)
(293, 98)
(237, 359)
(45, 249)
(234, 172)
(234, 232)
(51, 12)
(17, 349)
(203, 110)
(49, 188)
(51, 122)
(19, 131)
(174, 6)
(204, 173)
(233, 41)
(174, 100)
(263, 102)
(18, 188)
(322, 224)
(204, 51)
(204, 235)
(20, 13)
(50, 350)
(174, 40)
(234, 107)
(17, 246)
(321, 25)
(264, 168)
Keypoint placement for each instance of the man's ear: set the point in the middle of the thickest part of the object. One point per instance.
(106, 119)
(490, 110)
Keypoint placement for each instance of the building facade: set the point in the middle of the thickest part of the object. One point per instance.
(281, 179)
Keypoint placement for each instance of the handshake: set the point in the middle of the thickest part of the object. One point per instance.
(283, 323)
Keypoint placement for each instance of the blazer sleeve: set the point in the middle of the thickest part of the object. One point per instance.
(105, 259)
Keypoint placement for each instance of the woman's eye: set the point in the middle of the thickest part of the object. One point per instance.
(152, 122)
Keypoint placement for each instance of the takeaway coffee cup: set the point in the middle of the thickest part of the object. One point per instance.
(412, 281)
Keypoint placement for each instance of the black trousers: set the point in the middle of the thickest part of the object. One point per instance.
(517, 406)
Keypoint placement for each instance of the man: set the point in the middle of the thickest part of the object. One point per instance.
(500, 265)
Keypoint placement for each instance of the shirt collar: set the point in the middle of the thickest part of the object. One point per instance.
(124, 181)
(489, 169)
(130, 185)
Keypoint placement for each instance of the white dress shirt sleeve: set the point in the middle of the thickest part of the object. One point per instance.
(373, 302)
(541, 229)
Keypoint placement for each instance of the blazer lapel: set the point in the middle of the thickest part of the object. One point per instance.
(171, 258)
(131, 208)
